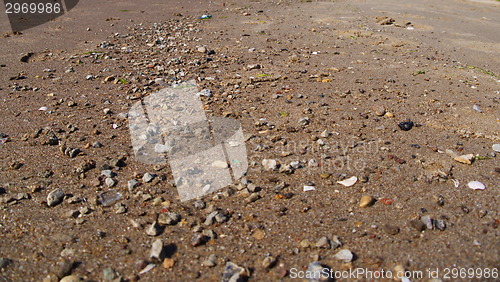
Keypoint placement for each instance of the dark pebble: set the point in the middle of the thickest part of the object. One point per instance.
(391, 229)
(417, 225)
(407, 125)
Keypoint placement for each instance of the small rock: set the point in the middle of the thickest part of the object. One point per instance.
(259, 234)
(168, 263)
(391, 229)
(233, 272)
(317, 272)
(253, 67)
(109, 78)
(4, 262)
(108, 198)
(323, 243)
(252, 198)
(55, 197)
(154, 229)
(120, 208)
(440, 224)
(496, 147)
(148, 177)
(344, 255)
(427, 220)
(110, 182)
(156, 250)
(304, 121)
(65, 267)
(131, 184)
(202, 49)
(417, 225)
(169, 218)
(399, 272)
(366, 201)
(379, 110)
(269, 164)
(407, 125)
(108, 274)
(199, 239)
(211, 261)
(70, 278)
(269, 262)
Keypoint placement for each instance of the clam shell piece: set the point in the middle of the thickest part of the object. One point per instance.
(476, 185)
(349, 181)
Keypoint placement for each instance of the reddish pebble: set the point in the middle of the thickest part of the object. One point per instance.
(387, 201)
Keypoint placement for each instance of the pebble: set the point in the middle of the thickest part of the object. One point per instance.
(169, 218)
(344, 255)
(252, 198)
(110, 182)
(323, 243)
(233, 272)
(366, 201)
(427, 220)
(477, 109)
(379, 110)
(391, 229)
(417, 225)
(120, 208)
(440, 224)
(156, 250)
(108, 198)
(399, 272)
(199, 239)
(406, 125)
(148, 177)
(269, 164)
(154, 229)
(317, 272)
(108, 274)
(55, 197)
(168, 263)
(496, 147)
(269, 262)
(108, 173)
(304, 121)
(131, 184)
(211, 261)
(4, 262)
(70, 278)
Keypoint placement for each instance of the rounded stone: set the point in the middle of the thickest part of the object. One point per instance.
(366, 201)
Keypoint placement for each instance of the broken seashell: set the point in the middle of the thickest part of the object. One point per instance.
(465, 159)
(348, 182)
(309, 188)
(476, 185)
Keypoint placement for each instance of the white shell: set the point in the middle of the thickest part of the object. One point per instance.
(496, 147)
(43, 109)
(348, 182)
(476, 185)
(309, 188)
